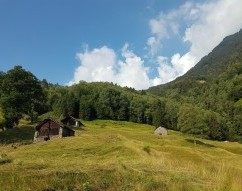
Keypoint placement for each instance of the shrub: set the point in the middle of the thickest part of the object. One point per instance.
(147, 149)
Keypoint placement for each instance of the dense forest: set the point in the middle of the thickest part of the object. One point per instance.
(23, 94)
(205, 102)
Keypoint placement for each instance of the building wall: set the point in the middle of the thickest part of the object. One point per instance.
(43, 138)
(67, 133)
(49, 128)
(63, 132)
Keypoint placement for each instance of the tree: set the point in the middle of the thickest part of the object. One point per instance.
(158, 113)
(21, 94)
(216, 125)
(87, 110)
(171, 114)
(67, 104)
(1, 79)
(137, 110)
(107, 105)
(123, 112)
(191, 120)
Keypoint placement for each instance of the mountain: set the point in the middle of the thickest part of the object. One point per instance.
(208, 98)
(210, 66)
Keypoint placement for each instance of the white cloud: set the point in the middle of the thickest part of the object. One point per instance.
(208, 24)
(165, 26)
(165, 71)
(102, 65)
(96, 65)
(132, 72)
(154, 44)
(202, 25)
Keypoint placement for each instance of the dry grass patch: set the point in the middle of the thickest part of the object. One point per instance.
(111, 155)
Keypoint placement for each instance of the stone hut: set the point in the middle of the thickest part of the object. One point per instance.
(49, 129)
(162, 131)
(71, 121)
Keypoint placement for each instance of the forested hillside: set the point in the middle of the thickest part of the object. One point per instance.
(210, 94)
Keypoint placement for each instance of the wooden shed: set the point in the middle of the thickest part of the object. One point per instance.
(49, 129)
(162, 131)
(71, 121)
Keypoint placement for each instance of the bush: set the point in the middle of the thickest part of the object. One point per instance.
(147, 149)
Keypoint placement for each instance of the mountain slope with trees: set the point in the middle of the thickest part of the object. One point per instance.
(213, 88)
(210, 67)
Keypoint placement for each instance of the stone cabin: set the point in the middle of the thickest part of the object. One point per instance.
(49, 129)
(161, 131)
(71, 121)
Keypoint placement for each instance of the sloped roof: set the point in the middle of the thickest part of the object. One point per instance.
(49, 119)
(72, 118)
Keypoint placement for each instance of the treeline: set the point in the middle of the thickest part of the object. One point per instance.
(21, 93)
(106, 101)
(206, 109)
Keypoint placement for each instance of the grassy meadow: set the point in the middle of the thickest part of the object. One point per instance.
(110, 155)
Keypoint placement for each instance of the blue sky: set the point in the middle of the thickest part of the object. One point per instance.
(137, 43)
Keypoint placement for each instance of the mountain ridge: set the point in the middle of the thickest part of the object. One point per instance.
(212, 64)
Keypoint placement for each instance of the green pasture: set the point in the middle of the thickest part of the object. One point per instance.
(117, 156)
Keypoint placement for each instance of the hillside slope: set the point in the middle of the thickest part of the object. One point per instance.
(207, 100)
(111, 155)
(210, 66)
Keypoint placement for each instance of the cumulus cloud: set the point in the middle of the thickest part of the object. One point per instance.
(154, 44)
(96, 65)
(132, 72)
(207, 24)
(201, 25)
(165, 71)
(165, 26)
(103, 65)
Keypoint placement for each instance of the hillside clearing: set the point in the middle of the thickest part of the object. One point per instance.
(110, 155)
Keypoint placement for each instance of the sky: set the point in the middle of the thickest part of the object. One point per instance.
(134, 43)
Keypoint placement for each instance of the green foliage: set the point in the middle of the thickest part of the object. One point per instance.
(91, 101)
(204, 123)
(147, 149)
(21, 93)
(213, 88)
(158, 113)
(171, 114)
(192, 120)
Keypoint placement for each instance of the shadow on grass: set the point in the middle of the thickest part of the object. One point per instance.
(199, 143)
(21, 135)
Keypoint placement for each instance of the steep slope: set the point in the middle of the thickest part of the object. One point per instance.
(207, 100)
(210, 67)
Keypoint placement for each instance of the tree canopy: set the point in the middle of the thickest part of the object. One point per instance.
(21, 93)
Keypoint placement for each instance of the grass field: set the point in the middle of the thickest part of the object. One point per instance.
(117, 156)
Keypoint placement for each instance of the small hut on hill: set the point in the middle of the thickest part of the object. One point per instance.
(49, 129)
(71, 121)
(162, 131)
